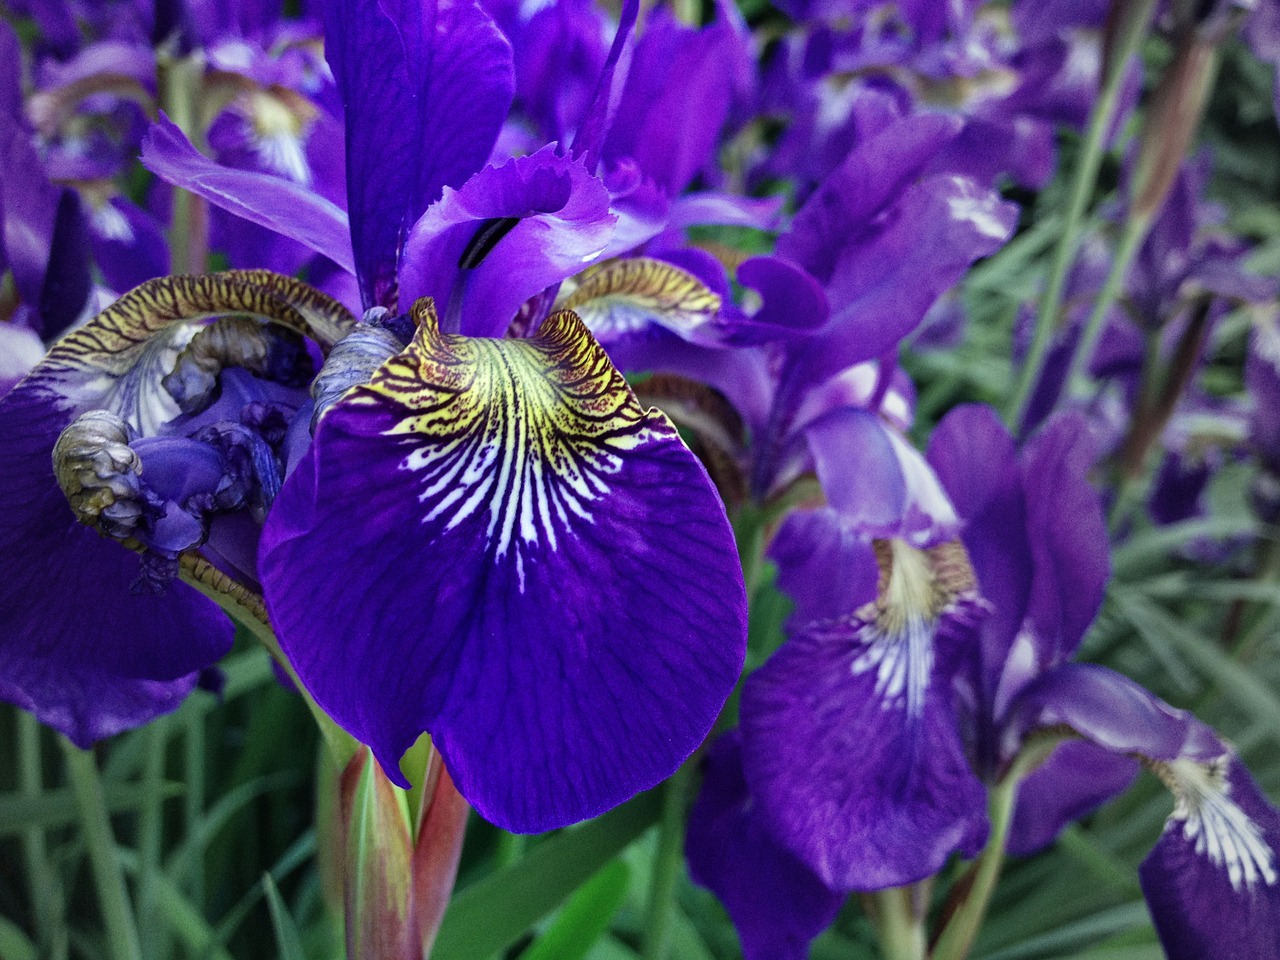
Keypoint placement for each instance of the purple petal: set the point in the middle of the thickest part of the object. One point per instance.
(824, 566)
(79, 647)
(671, 129)
(1212, 882)
(777, 903)
(1077, 779)
(1068, 536)
(977, 464)
(29, 204)
(522, 538)
(869, 181)
(426, 85)
(877, 481)
(563, 222)
(884, 280)
(851, 746)
(1110, 710)
(129, 245)
(269, 201)
(589, 140)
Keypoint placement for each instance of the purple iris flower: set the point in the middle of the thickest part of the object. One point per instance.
(493, 532)
(1036, 536)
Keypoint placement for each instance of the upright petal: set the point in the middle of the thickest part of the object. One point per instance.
(776, 902)
(508, 233)
(426, 85)
(521, 561)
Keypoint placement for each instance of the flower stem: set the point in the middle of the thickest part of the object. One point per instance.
(1131, 30)
(193, 742)
(901, 930)
(180, 79)
(113, 896)
(46, 896)
(961, 927)
(667, 864)
(151, 830)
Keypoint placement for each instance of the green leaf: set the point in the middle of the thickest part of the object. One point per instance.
(288, 941)
(1069, 939)
(14, 944)
(57, 808)
(1154, 545)
(302, 850)
(585, 916)
(183, 918)
(493, 913)
(1250, 693)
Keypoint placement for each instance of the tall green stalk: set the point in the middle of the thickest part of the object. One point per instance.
(901, 931)
(1131, 30)
(108, 876)
(47, 901)
(667, 864)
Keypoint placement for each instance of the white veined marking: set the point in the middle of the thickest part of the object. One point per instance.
(899, 632)
(1217, 828)
(519, 458)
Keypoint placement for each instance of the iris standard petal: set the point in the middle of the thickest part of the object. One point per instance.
(1212, 882)
(425, 85)
(493, 542)
(851, 744)
(777, 903)
(508, 233)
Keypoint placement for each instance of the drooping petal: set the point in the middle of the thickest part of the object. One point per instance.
(79, 647)
(85, 646)
(521, 561)
(425, 85)
(273, 202)
(1077, 779)
(508, 233)
(1212, 882)
(1109, 709)
(777, 903)
(851, 744)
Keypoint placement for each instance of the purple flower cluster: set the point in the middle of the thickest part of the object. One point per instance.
(426, 469)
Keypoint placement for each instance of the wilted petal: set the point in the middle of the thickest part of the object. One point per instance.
(79, 647)
(506, 235)
(85, 644)
(1212, 882)
(521, 561)
(425, 87)
(851, 744)
(777, 903)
